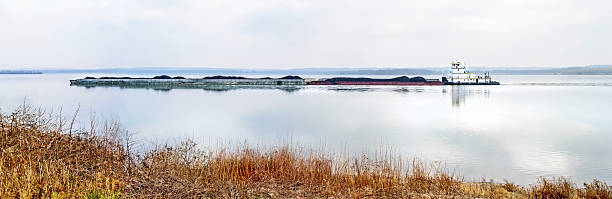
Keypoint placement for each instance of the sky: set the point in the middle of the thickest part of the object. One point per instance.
(303, 33)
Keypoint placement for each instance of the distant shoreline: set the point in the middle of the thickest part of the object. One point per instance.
(579, 70)
(20, 72)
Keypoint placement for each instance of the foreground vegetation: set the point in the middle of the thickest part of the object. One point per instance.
(44, 156)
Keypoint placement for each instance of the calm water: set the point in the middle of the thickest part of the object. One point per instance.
(531, 126)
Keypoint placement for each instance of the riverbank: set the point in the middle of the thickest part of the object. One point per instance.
(48, 156)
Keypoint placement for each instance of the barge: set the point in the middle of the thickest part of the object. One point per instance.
(398, 81)
(189, 82)
(458, 76)
(243, 81)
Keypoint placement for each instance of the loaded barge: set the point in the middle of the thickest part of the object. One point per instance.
(398, 81)
(189, 82)
(458, 76)
(243, 81)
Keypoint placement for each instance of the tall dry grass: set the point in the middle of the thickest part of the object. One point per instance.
(41, 157)
(185, 171)
(45, 157)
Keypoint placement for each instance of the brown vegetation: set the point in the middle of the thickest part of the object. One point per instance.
(45, 158)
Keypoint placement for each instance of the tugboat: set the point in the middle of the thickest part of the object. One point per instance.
(459, 76)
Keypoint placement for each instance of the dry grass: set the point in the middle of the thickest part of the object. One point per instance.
(185, 171)
(563, 188)
(45, 158)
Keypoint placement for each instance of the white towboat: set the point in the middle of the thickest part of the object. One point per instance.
(459, 76)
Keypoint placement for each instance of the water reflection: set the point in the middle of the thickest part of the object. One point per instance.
(461, 92)
(213, 88)
(286, 88)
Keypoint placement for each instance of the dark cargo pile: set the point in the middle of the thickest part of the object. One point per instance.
(224, 77)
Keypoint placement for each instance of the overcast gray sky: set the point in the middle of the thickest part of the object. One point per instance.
(303, 33)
